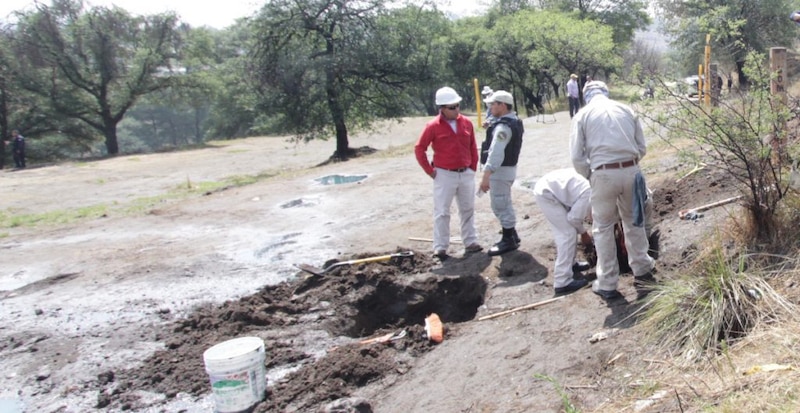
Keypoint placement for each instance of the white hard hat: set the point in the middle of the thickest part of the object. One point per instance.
(595, 84)
(447, 96)
(501, 96)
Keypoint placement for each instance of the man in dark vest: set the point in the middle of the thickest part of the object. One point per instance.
(499, 156)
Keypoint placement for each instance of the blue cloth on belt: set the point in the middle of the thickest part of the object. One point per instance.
(639, 199)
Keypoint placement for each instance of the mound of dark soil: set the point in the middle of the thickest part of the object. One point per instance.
(326, 314)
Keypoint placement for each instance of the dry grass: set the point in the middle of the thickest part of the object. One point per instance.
(725, 337)
(725, 333)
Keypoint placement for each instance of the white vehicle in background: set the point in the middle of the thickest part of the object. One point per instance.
(691, 84)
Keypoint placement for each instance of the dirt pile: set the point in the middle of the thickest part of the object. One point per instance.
(329, 313)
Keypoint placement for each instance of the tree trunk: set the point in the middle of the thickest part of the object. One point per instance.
(110, 132)
(531, 101)
(335, 106)
(4, 132)
(744, 82)
(555, 86)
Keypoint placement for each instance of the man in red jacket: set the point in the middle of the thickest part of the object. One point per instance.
(455, 160)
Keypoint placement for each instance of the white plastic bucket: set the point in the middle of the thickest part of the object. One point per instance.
(237, 373)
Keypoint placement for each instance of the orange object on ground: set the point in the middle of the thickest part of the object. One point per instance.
(434, 328)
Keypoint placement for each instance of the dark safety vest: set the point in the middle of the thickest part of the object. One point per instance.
(514, 145)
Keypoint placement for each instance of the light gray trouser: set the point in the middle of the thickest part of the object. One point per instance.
(612, 200)
(446, 186)
(565, 237)
(500, 183)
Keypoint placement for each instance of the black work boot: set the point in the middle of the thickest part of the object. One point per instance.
(506, 244)
(515, 236)
(581, 266)
(644, 284)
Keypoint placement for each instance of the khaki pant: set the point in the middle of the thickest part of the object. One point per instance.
(612, 199)
(446, 186)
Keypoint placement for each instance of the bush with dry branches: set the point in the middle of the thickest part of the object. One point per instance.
(744, 135)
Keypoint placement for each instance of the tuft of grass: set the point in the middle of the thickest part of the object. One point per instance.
(566, 404)
(139, 205)
(395, 151)
(59, 217)
(721, 299)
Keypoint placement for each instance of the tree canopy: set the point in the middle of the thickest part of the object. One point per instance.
(93, 64)
(326, 66)
(313, 69)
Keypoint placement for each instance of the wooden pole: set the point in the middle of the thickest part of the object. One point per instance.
(478, 101)
(524, 307)
(708, 80)
(777, 63)
(453, 240)
(715, 86)
(777, 87)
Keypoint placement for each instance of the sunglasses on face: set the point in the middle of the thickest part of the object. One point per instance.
(453, 107)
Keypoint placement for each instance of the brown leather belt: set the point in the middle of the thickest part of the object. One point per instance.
(456, 170)
(619, 165)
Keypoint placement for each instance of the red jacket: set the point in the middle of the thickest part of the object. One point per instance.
(450, 150)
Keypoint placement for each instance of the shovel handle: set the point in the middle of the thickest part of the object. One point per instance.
(377, 259)
(366, 260)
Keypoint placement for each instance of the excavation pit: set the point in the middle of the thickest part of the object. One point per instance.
(396, 303)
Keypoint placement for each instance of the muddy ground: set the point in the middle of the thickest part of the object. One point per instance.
(112, 311)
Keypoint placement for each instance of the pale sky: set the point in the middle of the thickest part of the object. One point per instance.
(213, 14)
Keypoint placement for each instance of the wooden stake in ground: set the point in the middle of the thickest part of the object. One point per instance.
(453, 240)
(690, 213)
(524, 307)
(696, 169)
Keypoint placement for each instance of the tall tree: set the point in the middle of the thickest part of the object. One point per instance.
(567, 45)
(93, 64)
(736, 28)
(31, 114)
(331, 65)
(533, 51)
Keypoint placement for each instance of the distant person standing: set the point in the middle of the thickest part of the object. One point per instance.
(499, 156)
(606, 145)
(573, 95)
(485, 93)
(564, 196)
(455, 161)
(18, 148)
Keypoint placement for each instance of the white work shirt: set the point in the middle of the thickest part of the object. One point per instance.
(572, 88)
(570, 189)
(603, 132)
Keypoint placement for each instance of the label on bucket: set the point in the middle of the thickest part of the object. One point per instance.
(235, 392)
(237, 373)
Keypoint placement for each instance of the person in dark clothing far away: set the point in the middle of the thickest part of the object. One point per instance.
(18, 148)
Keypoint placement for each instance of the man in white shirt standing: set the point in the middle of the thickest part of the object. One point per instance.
(564, 198)
(606, 145)
(572, 95)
